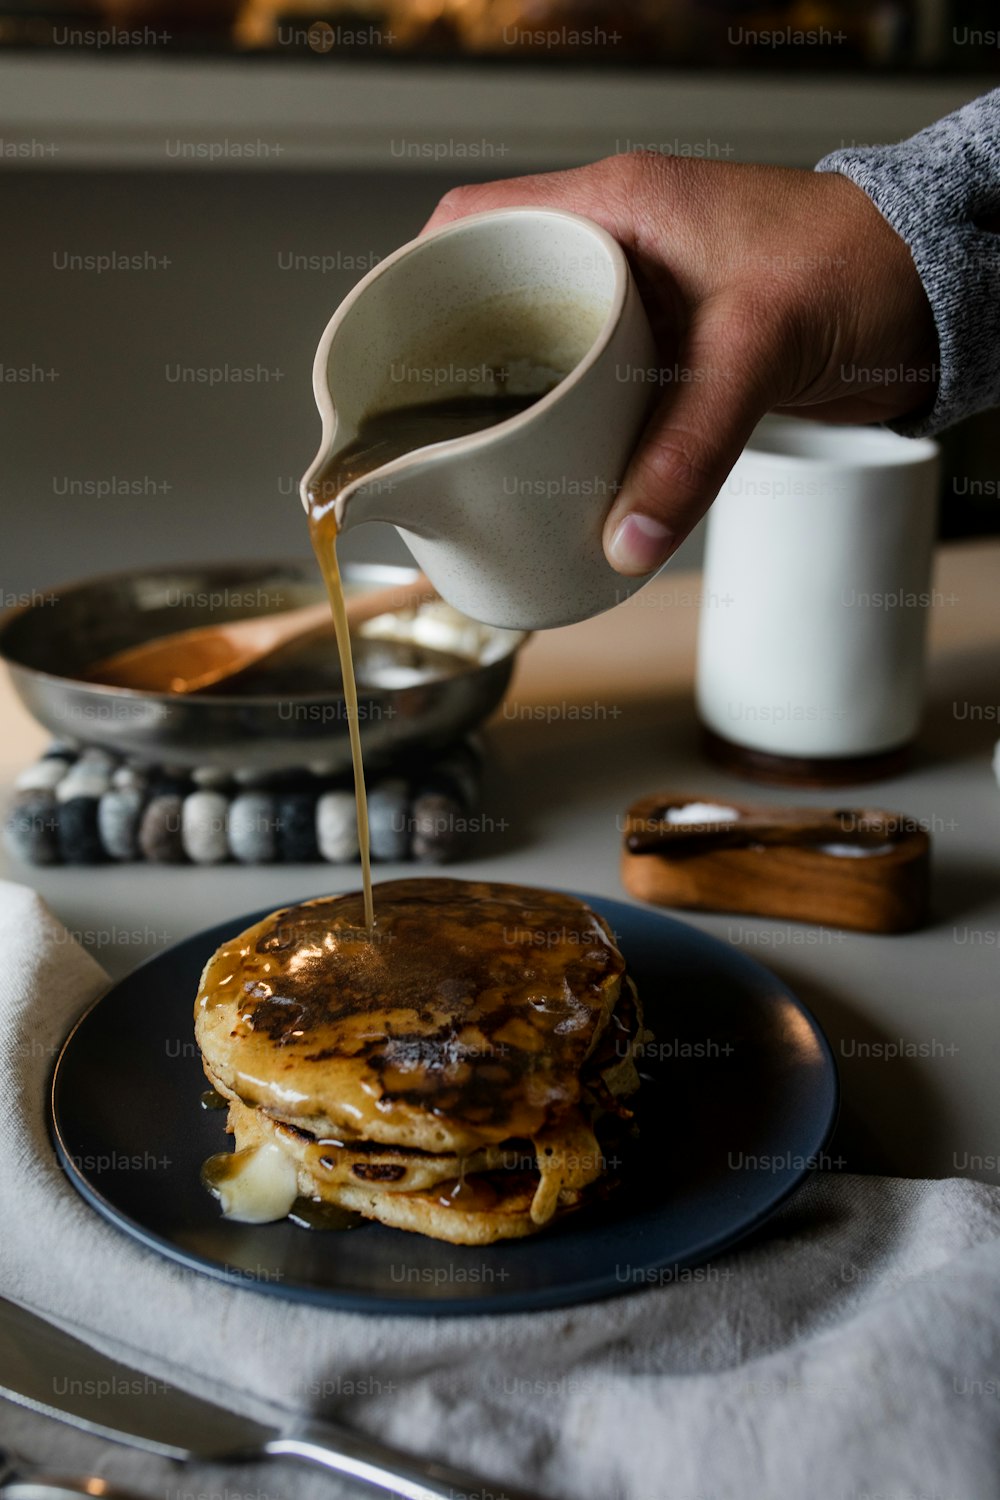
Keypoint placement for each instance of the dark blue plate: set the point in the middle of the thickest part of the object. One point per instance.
(739, 1101)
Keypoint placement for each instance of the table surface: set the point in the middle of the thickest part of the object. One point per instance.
(601, 713)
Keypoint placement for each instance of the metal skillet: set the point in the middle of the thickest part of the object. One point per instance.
(423, 679)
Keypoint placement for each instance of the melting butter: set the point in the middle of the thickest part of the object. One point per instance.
(254, 1186)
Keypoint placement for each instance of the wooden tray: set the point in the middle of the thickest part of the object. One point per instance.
(862, 868)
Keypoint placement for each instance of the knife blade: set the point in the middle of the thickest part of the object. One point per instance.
(50, 1371)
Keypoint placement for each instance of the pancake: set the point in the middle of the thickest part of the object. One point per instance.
(447, 1077)
(471, 1201)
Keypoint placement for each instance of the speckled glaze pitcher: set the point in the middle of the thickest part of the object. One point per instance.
(507, 521)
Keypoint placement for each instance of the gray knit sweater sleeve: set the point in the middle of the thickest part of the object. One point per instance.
(936, 189)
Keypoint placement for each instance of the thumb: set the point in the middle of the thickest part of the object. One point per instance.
(714, 397)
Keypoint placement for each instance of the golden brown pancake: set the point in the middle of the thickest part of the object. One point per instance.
(474, 1201)
(468, 1044)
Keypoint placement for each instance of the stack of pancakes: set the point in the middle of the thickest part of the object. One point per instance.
(462, 1074)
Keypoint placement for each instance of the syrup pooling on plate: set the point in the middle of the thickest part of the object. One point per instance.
(382, 437)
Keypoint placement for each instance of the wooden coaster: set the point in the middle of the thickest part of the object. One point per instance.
(801, 770)
(863, 868)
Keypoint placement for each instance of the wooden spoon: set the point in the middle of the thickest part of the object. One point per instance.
(190, 660)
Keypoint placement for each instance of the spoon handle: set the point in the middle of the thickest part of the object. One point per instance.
(188, 660)
(397, 596)
(267, 633)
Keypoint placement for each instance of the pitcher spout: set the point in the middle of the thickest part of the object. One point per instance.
(371, 497)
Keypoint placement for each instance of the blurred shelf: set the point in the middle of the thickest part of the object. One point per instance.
(181, 113)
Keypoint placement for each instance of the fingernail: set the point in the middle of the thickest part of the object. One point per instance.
(640, 544)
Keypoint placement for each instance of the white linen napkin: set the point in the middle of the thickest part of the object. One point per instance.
(851, 1352)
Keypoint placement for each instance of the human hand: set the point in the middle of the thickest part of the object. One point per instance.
(767, 289)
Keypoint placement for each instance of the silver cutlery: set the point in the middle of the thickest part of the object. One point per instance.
(49, 1371)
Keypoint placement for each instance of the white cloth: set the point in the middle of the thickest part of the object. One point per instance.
(850, 1351)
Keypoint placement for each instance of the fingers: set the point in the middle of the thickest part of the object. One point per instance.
(719, 390)
(733, 353)
(602, 191)
(546, 188)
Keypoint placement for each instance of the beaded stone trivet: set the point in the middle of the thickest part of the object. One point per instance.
(81, 805)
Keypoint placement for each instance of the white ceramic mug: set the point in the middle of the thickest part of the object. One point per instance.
(816, 589)
(505, 522)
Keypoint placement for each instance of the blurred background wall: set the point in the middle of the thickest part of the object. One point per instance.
(215, 467)
(173, 209)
